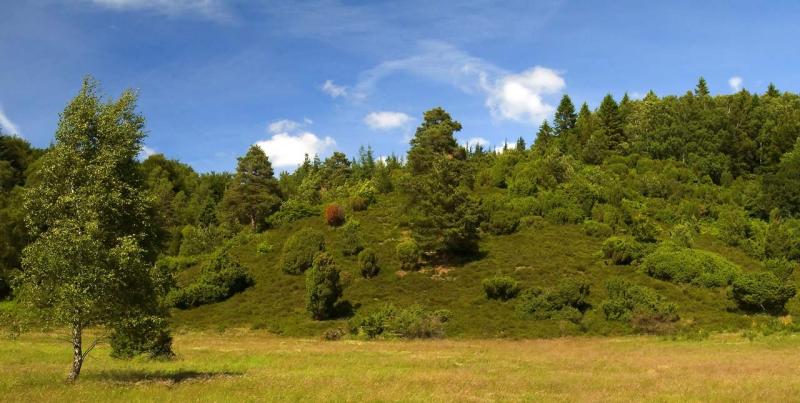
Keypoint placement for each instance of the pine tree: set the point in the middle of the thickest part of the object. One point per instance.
(443, 217)
(544, 138)
(565, 117)
(322, 287)
(772, 91)
(609, 120)
(701, 90)
(254, 193)
(520, 144)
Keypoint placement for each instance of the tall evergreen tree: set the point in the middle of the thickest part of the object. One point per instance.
(520, 144)
(609, 120)
(544, 138)
(89, 261)
(444, 218)
(565, 118)
(701, 90)
(254, 193)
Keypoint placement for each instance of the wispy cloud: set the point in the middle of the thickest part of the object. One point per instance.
(520, 97)
(736, 83)
(386, 120)
(335, 91)
(210, 9)
(7, 125)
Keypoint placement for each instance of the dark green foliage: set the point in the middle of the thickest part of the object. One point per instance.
(254, 193)
(627, 301)
(408, 253)
(322, 287)
(781, 268)
(762, 291)
(220, 278)
(622, 250)
(300, 249)
(683, 265)
(137, 336)
(565, 118)
(368, 263)
(782, 188)
(501, 287)
(501, 222)
(567, 301)
(291, 211)
(414, 322)
(196, 240)
(350, 239)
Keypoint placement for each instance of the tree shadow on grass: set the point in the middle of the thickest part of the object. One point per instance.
(169, 377)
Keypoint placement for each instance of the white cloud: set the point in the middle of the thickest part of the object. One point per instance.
(474, 141)
(735, 82)
(289, 150)
(147, 151)
(386, 120)
(7, 125)
(334, 90)
(282, 126)
(519, 96)
(211, 9)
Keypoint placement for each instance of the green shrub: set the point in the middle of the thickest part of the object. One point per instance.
(501, 287)
(219, 279)
(322, 287)
(358, 203)
(351, 238)
(199, 240)
(146, 335)
(368, 263)
(501, 223)
(264, 247)
(762, 291)
(408, 253)
(291, 210)
(626, 301)
(410, 323)
(733, 226)
(644, 230)
(781, 268)
(597, 229)
(622, 250)
(683, 234)
(300, 249)
(567, 301)
(532, 221)
(683, 265)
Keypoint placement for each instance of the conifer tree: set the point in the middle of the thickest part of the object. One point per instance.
(701, 90)
(544, 138)
(520, 144)
(254, 193)
(610, 121)
(565, 117)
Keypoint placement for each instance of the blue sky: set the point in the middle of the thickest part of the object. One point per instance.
(216, 76)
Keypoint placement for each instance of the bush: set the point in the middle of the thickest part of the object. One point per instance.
(408, 253)
(501, 287)
(291, 210)
(264, 247)
(644, 230)
(683, 265)
(567, 301)
(501, 223)
(733, 225)
(683, 234)
(622, 250)
(219, 279)
(358, 203)
(322, 287)
(597, 229)
(410, 323)
(762, 291)
(199, 240)
(334, 215)
(626, 301)
(300, 249)
(781, 268)
(149, 335)
(368, 263)
(351, 238)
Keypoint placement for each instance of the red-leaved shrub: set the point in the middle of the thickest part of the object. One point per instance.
(334, 215)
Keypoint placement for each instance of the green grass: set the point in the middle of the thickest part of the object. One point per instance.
(537, 257)
(242, 366)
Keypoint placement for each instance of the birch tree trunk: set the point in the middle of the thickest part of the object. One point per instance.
(77, 352)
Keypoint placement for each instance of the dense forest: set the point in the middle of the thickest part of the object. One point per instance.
(657, 214)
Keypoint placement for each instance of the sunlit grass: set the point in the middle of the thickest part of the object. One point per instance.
(254, 366)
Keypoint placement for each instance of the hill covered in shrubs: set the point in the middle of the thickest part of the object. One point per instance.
(669, 215)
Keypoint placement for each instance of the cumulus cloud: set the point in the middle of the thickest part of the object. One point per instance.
(735, 82)
(334, 90)
(210, 9)
(519, 96)
(386, 120)
(288, 145)
(474, 141)
(7, 125)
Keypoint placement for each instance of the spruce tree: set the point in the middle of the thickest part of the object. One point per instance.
(565, 117)
(254, 193)
(609, 120)
(520, 144)
(701, 90)
(544, 138)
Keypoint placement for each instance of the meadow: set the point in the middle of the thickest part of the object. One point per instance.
(245, 365)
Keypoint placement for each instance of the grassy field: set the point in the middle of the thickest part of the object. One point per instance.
(255, 366)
